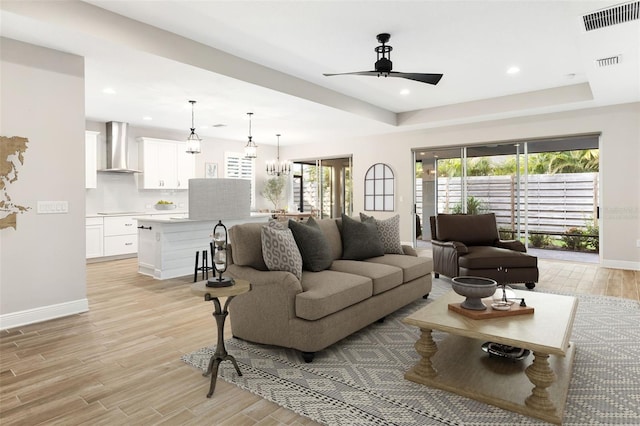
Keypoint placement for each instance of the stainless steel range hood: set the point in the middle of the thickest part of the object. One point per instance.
(118, 148)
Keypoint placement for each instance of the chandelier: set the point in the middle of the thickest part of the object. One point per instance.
(193, 140)
(250, 150)
(277, 167)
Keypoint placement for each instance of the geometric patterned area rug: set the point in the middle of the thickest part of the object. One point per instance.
(360, 380)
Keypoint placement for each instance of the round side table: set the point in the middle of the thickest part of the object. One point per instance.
(220, 314)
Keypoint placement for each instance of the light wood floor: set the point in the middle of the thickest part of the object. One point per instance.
(120, 363)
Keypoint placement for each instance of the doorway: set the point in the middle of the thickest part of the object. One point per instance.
(323, 187)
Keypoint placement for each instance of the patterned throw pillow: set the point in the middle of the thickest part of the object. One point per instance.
(389, 230)
(280, 251)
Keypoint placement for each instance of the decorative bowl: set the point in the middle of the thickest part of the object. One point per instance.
(165, 206)
(474, 289)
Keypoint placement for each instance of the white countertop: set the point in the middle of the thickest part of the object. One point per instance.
(255, 217)
(138, 213)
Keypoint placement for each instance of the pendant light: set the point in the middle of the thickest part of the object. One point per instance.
(193, 141)
(277, 168)
(250, 150)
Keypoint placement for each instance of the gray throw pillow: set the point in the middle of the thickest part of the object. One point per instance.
(360, 240)
(280, 251)
(389, 230)
(313, 245)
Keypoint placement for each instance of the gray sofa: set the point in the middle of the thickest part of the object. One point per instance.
(323, 307)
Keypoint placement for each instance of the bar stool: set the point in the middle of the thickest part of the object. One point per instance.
(204, 267)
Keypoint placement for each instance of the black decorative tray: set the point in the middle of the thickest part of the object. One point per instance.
(505, 351)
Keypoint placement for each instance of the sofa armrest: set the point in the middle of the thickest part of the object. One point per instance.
(514, 245)
(409, 251)
(264, 314)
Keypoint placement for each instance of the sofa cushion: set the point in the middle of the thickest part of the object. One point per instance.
(472, 230)
(327, 292)
(389, 230)
(313, 245)
(246, 245)
(360, 240)
(330, 229)
(280, 251)
(384, 277)
(487, 257)
(412, 267)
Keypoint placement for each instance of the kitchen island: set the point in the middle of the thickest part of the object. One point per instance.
(167, 246)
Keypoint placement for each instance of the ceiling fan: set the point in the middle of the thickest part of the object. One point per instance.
(383, 65)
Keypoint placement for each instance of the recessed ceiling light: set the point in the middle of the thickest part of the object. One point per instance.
(219, 125)
(109, 91)
(513, 70)
(147, 118)
(405, 92)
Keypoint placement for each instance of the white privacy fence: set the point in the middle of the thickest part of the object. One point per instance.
(556, 202)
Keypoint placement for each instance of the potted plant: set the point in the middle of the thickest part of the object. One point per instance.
(273, 190)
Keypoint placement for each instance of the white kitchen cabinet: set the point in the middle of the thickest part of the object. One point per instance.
(120, 235)
(94, 237)
(165, 164)
(91, 159)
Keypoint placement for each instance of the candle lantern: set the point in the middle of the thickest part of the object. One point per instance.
(220, 242)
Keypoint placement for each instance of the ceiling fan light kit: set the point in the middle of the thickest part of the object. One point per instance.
(384, 66)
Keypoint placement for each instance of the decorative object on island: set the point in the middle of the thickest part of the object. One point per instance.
(474, 289)
(250, 150)
(193, 140)
(220, 241)
(164, 205)
(278, 168)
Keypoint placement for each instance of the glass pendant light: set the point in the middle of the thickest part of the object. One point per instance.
(193, 141)
(250, 150)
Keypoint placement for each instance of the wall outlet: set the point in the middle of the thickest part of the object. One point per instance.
(638, 243)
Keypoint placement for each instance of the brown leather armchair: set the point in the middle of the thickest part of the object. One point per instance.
(470, 245)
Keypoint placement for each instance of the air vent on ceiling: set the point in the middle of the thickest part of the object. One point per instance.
(612, 16)
(611, 60)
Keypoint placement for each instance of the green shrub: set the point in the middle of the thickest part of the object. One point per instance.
(474, 206)
(573, 241)
(539, 240)
(506, 233)
(593, 242)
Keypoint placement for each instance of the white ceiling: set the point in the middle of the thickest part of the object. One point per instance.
(267, 57)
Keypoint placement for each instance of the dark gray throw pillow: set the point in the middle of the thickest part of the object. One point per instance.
(360, 240)
(313, 245)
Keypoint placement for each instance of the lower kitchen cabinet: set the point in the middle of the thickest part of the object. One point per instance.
(95, 237)
(120, 235)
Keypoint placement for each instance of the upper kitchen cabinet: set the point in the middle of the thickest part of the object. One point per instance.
(91, 159)
(165, 164)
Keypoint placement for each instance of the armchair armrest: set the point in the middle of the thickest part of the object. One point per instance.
(514, 245)
(457, 246)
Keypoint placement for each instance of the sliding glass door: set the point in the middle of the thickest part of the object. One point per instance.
(543, 192)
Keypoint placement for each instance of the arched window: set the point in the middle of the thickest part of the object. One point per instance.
(378, 188)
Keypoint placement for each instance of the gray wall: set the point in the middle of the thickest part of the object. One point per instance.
(42, 262)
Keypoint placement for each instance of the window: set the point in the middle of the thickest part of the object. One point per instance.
(236, 166)
(378, 188)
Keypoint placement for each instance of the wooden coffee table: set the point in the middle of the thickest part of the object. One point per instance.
(536, 386)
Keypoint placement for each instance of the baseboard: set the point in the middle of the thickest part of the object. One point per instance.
(620, 264)
(43, 313)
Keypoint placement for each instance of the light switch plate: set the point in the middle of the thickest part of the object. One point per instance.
(53, 207)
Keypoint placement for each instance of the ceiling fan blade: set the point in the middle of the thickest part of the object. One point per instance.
(423, 78)
(354, 73)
